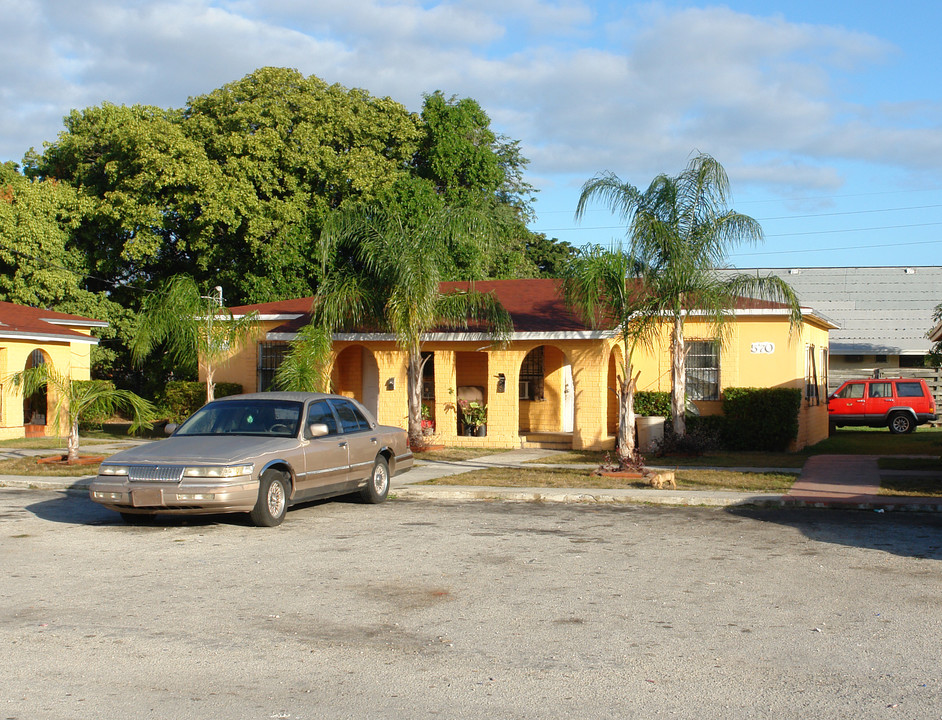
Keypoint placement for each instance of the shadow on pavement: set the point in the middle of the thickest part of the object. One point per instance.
(907, 534)
(73, 509)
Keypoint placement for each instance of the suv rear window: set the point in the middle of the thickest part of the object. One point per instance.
(909, 389)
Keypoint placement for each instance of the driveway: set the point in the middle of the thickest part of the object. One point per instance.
(469, 610)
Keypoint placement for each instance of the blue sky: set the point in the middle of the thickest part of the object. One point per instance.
(827, 116)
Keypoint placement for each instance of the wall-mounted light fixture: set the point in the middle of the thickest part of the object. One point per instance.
(391, 383)
(501, 382)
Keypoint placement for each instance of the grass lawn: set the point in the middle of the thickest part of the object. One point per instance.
(47, 443)
(450, 454)
(575, 478)
(713, 459)
(879, 441)
(913, 485)
(846, 441)
(29, 466)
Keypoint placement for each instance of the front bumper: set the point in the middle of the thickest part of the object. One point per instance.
(188, 497)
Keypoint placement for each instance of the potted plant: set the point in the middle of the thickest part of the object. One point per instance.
(474, 416)
(428, 425)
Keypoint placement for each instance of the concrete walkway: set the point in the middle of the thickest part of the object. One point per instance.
(849, 481)
(826, 481)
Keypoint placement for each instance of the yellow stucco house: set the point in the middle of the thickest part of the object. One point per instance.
(553, 383)
(29, 337)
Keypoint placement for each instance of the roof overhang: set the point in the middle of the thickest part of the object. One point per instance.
(47, 337)
(460, 336)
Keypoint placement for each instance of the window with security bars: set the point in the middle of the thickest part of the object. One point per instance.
(703, 370)
(270, 357)
(531, 375)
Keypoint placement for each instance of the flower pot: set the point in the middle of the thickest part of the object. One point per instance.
(481, 431)
(650, 432)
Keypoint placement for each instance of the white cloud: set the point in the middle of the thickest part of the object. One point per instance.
(585, 91)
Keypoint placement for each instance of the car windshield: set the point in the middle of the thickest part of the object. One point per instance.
(274, 418)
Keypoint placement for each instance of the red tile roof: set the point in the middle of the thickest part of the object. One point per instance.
(23, 322)
(535, 305)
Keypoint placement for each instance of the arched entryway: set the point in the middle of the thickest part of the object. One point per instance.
(36, 406)
(546, 397)
(355, 374)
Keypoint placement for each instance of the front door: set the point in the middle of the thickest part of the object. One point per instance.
(326, 459)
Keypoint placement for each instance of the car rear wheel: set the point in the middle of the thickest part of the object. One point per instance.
(377, 487)
(272, 501)
(901, 423)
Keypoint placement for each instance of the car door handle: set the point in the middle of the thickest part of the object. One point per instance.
(343, 444)
(374, 440)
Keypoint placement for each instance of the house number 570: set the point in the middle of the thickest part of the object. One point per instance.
(763, 348)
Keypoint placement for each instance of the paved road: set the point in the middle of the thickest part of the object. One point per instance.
(469, 610)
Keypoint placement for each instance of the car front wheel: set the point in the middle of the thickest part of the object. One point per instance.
(377, 487)
(272, 501)
(901, 423)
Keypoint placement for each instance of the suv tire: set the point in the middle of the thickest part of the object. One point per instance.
(901, 423)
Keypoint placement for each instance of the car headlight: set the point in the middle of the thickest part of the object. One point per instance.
(217, 471)
(113, 469)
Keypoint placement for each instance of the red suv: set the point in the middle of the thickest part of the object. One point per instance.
(900, 404)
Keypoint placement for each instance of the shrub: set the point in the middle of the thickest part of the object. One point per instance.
(760, 418)
(653, 402)
(704, 434)
(182, 398)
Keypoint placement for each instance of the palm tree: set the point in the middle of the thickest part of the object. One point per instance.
(385, 274)
(682, 231)
(196, 329)
(602, 286)
(79, 400)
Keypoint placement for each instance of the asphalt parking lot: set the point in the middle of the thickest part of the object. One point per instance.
(469, 610)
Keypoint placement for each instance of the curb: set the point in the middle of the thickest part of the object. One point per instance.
(578, 496)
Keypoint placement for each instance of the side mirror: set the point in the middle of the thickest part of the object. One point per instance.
(318, 430)
(170, 428)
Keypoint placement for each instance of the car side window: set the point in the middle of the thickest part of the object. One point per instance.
(854, 391)
(351, 419)
(881, 390)
(319, 412)
(909, 389)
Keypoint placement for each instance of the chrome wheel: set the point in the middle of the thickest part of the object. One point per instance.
(276, 499)
(377, 486)
(272, 500)
(380, 478)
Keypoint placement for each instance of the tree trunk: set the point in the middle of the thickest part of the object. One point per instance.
(73, 443)
(678, 377)
(625, 448)
(210, 385)
(416, 438)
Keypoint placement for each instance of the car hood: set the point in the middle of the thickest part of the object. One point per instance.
(203, 449)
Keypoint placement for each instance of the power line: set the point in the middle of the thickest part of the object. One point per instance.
(809, 232)
(833, 249)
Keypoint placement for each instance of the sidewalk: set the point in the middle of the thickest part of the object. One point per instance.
(826, 481)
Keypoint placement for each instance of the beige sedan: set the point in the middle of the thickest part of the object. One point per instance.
(256, 453)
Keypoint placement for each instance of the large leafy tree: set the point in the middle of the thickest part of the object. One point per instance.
(78, 400)
(40, 265)
(291, 149)
(232, 188)
(604, 287)
(682, 230)
(195, 329)
(385, 272)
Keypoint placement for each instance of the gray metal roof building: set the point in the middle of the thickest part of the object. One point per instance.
(880, 310)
